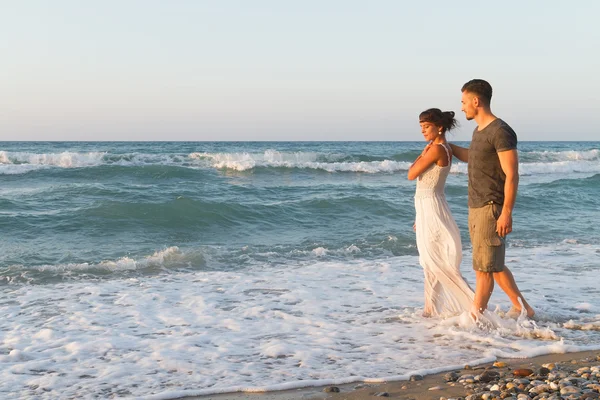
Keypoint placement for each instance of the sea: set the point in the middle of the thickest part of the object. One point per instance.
(157, 270)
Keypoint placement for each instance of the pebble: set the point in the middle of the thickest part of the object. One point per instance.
(540, 389)
(543, 371)
(550, 366)
(522, 372)
(590, 395)
(593, 386)
(451, 377)
(557, 375)
(552, 381)
(415, 378)
(499, 364)
(567, 390)
(331, 389)
(488, 376)
(382, 394)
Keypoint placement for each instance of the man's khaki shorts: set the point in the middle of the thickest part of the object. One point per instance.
(488, 248)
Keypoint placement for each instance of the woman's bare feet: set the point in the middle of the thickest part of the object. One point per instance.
(515, 312)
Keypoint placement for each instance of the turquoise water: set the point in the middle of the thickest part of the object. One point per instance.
(169, 269)
(226, 205)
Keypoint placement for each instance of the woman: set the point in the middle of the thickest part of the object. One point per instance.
(438, 238)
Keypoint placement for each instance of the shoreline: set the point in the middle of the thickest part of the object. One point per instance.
(417, 390)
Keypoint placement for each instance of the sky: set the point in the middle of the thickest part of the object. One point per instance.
(292, 70)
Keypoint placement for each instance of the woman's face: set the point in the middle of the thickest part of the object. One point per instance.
(429, 130)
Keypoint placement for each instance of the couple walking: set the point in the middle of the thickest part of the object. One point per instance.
(492, 188)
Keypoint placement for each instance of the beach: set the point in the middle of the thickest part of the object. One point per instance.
(436, 386)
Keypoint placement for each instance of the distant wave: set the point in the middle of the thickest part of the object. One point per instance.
(553, 156)
(560, 167)
(65, 159)
(301, 160)
(532, 163)
(22, 162)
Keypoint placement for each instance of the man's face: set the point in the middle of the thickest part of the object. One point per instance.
(468, 105)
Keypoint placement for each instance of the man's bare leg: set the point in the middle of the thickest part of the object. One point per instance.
(484, 285)
(506, 281)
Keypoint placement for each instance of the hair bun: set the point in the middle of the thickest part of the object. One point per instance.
(449, 112)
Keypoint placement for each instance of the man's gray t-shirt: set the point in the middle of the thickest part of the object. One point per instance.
(486, 178)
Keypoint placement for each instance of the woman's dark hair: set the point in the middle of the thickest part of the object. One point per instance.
(443, 119)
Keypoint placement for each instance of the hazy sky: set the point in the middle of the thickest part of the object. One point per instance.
(292, 70)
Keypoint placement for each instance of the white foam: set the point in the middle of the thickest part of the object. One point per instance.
(584, 306)
(268, 328)
(320, 251)
(353, 249)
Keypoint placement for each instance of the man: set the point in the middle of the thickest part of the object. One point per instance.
(493, 166)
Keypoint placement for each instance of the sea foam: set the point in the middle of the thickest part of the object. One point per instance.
(328, 322)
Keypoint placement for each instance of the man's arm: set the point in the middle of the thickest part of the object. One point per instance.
(509, 162)
(460, 152)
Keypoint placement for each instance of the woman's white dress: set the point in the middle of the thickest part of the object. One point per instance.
(440, 248)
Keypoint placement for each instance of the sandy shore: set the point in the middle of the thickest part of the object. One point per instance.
(417, 390)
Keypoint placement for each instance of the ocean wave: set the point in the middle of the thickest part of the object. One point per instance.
(166, 259)
(532, 163)
(567, 162)
(559, 167)
(70, 159)
(300, 160)
(543, 168)
(569, 155)
(65, 159)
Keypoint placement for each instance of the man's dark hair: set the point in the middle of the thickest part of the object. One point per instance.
(480, 88)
